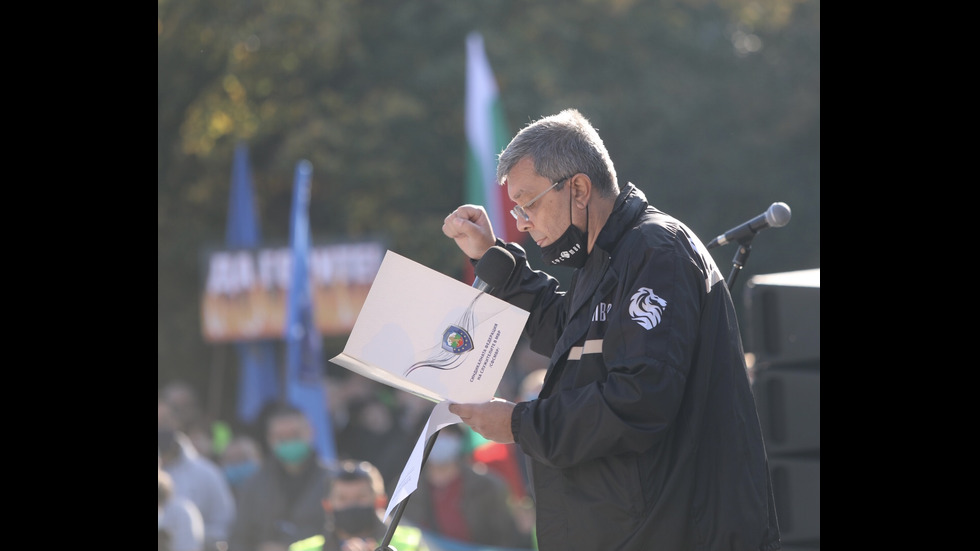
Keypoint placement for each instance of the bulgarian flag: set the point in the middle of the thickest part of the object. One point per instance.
(486, 137)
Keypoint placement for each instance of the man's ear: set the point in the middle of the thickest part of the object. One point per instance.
(327, 506)
(381, 502)
(581, 189)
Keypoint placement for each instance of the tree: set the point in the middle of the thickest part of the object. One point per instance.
(710, 107)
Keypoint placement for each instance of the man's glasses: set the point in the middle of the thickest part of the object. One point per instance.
(519, 209)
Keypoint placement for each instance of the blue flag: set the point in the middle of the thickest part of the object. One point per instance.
(304, 376)
(258, 380)
(243, 225)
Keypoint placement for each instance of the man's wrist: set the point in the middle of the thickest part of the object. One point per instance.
(497, 243)
(515, 418)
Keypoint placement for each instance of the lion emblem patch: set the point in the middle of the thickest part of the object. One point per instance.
(646, 308)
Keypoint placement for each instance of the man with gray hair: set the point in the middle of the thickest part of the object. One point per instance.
(645, 433)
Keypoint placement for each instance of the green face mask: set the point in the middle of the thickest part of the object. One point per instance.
(292, 452)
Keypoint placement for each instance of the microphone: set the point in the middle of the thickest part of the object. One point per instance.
(776, 216)
(493, 269)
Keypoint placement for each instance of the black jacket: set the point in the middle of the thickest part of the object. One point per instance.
(645, 434)
(275, 506)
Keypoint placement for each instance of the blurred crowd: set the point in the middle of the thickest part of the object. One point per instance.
(225, 485)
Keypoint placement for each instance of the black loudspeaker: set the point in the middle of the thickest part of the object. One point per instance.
(796, 490)
(784, 317)
(788, 401)
(783, 335)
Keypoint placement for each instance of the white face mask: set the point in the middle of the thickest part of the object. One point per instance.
(446, 448)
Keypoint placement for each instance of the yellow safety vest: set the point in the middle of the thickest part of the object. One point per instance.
(405, 538)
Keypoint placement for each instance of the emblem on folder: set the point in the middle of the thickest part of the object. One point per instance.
(456, 340)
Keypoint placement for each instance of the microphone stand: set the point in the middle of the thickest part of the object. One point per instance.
(741, 255)
(396, 515)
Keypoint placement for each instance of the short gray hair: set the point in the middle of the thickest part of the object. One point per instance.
(561, 145)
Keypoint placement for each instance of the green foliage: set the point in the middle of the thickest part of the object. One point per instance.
(712, 107)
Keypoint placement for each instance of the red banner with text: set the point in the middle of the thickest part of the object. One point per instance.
(245, 290)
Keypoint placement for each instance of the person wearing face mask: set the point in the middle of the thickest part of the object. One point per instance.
(645, 433)
(355, 505)
(240, 459)
(280, 503)
(460, 503)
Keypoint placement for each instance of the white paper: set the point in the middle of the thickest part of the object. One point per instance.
(424, 332)
(408, 482)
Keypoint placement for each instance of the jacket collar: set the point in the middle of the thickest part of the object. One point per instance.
(629, 205)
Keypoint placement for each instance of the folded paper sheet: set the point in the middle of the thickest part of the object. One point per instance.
(408, 482)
